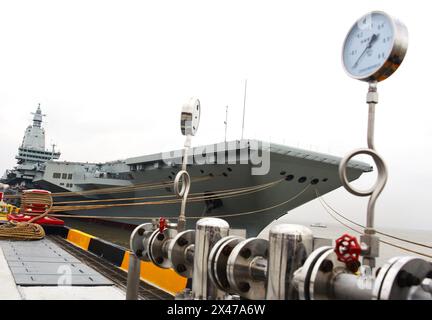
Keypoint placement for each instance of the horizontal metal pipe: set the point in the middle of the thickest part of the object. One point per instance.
(258, 268)
(349, 287)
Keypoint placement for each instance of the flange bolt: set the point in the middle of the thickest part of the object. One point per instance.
(406, 279)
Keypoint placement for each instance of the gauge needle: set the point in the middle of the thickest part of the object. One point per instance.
(369, 45)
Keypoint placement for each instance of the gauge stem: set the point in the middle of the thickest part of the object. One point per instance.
(372, 100)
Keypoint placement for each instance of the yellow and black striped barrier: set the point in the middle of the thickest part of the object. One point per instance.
(165, 279)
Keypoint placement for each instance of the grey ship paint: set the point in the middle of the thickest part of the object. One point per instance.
(228, 165)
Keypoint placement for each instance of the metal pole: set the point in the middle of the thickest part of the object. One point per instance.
(372, 100)
(226, 123)
(244, 108)
(186, 183)
(369, 239)
(133, 278)
(53, 150)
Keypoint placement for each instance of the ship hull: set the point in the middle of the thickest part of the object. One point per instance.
(293, 183)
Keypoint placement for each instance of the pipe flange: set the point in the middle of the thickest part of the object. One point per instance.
(326, 267)
(158, 252)
(218, 259)
(396, 278)
(239, 268)
(139, 240)
(302, 275)
(177, 253)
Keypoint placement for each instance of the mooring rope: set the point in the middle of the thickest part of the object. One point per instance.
(13, 230)
(377, 231)
(205, 194)
(322, 201)
(221, 215)
(135, 187)
(21, 231)
(221, 195)
(122, 189)
(260, 210)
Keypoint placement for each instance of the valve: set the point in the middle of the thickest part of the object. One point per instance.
(324, 276)
(348, 251)
(162, 224)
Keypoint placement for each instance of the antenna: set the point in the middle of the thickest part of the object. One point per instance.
(42, 114)
(226, 123)
(53, 150)
(244, 107)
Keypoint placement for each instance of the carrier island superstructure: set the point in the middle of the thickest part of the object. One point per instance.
(31, 156)
(291, 178)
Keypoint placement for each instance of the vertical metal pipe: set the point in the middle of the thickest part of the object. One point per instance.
(289, 246)
(208, 232)
(244, 108)
(226, 124)
(184, 177)
(371, 100)
(133, 278)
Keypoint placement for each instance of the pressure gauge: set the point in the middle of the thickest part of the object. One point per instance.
(190, 117)
(374, 47)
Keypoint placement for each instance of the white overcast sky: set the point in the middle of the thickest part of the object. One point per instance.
(112, 76)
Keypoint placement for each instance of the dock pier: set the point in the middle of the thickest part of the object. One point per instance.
(61, 267)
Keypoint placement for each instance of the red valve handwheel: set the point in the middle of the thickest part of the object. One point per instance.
(347, 249)
(162, 224)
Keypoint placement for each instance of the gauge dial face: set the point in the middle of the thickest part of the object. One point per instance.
(368, 45)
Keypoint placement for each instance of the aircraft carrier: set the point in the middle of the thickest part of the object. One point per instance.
(272, 180)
